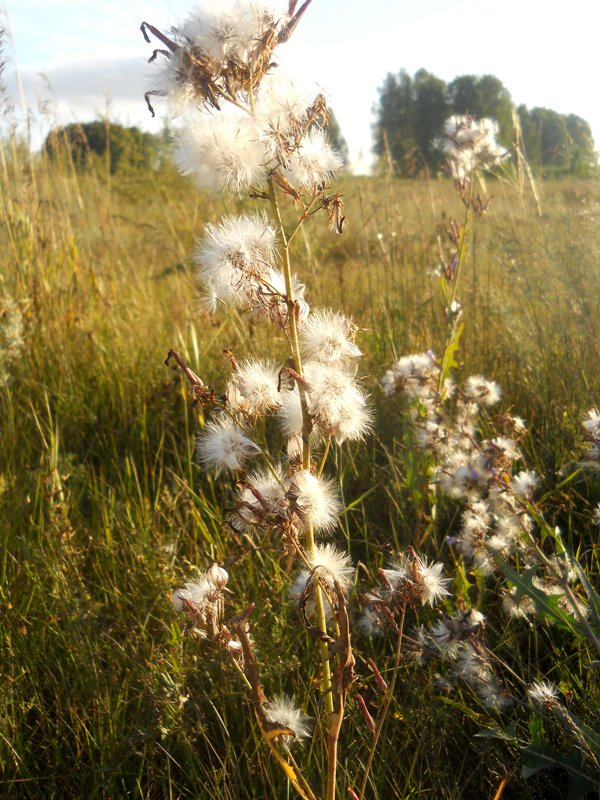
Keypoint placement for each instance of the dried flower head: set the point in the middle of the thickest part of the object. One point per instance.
(470, 144)
(222, 50)
(261, 501)
(416, 376)
(202, 601)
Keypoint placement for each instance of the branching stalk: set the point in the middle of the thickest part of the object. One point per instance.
(306, 430)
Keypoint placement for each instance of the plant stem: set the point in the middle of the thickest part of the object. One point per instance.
(384, 711)
(306, 430)
(462, 248)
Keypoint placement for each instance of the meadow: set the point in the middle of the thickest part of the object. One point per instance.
(104, 508)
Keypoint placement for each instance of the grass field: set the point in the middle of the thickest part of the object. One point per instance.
(104, 509)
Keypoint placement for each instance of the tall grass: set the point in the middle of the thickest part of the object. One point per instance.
(103, 508)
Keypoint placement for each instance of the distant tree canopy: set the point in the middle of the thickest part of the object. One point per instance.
(117, 145)
(411, 111)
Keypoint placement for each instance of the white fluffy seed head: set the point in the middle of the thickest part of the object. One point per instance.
(314, 164)
(315, 500)
(524, 484)
(269, 299)
(263, 504)
(253, 390)
(591, 424)
(433, 583)
(221, 152)
(543, 693)
(483, 391)
(470, 144)
(415, 375)
(229, 29)
(328, 337)
(235, 257)
(290, 417)
(282, 710)
(280, 110)
(337, 404)
(334, 563)
(224, 445)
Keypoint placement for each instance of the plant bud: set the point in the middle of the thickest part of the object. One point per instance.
(370, 722)
(378, 676)
(217, 576)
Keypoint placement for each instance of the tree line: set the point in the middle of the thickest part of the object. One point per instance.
(117, 147)
(411, 111)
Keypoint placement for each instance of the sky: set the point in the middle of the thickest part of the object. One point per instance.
(77, 59)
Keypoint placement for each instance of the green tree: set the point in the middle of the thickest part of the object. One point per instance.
(117, 146)
(483, 96)
(395, 125)
(557, 144)
(431, 111)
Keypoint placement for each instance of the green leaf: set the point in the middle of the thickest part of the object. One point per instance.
(508, 735)
(546, 605)
(449, 361)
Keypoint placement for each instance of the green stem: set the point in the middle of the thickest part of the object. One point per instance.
(306, 430)
(462, 248)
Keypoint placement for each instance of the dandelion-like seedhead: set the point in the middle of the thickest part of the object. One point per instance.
(524, 484)
(328, 560)
(315, 500)
(219, 53)
(543, 693)
(415, 375)
(469, 145)
(433, 584)
(328, 336)
(283, 711)
(202, 602)
(408, 581)
(262, 501)
(235, 258)
(253, 389)
(591, 429)
(221, 153)
(224, 445)
(337, 404)
(486, 392)
(312, 166)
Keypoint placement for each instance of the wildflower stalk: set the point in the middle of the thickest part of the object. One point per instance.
(462, 248)
(386, 707)
(306, 428)
(270, 731)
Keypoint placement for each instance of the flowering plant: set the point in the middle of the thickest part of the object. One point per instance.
(247, 128)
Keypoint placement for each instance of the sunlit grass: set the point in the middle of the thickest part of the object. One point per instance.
(103, 508)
